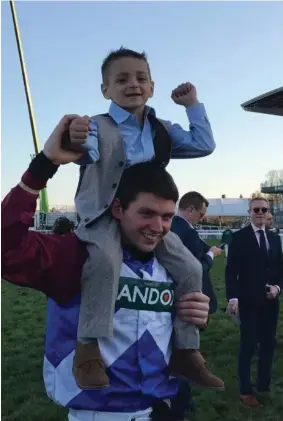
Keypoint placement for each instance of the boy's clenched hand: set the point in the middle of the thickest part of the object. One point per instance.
(185, 94)
(53, 149)
(78, 130)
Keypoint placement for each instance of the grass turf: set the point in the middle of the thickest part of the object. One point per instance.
(23, 394)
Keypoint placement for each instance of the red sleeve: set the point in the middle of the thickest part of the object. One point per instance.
(48, 263)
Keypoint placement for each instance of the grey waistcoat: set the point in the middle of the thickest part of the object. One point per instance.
(99, 181)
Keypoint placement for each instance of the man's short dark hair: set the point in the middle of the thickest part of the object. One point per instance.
(146, 177)
(194, 199)
(116, 55)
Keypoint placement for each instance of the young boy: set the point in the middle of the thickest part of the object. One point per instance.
(129, 134)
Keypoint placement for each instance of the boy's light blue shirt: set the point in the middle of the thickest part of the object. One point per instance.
(138, 141)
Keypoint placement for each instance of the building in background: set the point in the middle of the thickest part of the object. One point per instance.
(227, 211)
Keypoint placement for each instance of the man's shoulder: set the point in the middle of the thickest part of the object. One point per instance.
(178, 221)
(184, 230)
(242, 232)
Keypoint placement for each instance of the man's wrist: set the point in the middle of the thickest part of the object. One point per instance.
(42, 167)
(278, 287)
(210, 254)
(28, 189)
(40, 170)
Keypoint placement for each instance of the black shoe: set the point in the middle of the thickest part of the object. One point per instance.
(263, 396)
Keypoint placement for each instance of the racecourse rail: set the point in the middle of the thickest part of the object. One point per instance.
(204, 234)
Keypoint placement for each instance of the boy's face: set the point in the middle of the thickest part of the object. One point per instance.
(128, 83)
(146, 220)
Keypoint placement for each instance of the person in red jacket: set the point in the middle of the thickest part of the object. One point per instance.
(53, 264)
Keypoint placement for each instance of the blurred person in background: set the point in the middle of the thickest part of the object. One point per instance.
(62, 226)
(191, 211)
(269, 221)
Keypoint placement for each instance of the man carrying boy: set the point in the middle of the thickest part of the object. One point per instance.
(137, 355)
(130, 134)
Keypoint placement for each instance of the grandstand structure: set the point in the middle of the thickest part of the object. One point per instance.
(269, 103)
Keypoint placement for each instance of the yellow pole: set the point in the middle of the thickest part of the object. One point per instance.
(25, 77)
(44, 207)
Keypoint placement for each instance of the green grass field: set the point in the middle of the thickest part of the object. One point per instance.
(23, 395)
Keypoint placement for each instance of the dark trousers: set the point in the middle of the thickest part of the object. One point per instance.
(257, 333)
(183, 402)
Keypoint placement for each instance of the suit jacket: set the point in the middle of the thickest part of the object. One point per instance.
(199, 249)
(247, 271)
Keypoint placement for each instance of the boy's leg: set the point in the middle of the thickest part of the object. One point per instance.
(186, 271)
(99, 288)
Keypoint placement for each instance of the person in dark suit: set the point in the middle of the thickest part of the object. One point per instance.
(254, 280)
(269, 221)
(192, 209)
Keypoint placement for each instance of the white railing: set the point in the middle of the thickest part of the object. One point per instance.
(208, 235)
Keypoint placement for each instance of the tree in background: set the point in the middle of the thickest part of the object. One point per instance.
(274, 178)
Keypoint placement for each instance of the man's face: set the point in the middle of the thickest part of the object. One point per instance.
(128, 83)
(269, 221)
(195, 216)
(146, 220)
(258, 211)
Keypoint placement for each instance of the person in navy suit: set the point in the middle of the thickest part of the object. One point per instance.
(191, 210)
(254, 280)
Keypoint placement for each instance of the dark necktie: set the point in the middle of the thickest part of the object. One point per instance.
(262, 242)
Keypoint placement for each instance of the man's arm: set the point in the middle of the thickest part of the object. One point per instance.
(193, 243)
(232, 270)
(49, 263)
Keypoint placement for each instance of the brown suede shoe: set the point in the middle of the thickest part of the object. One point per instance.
(190, 364)
(250, 400)
(88, 367)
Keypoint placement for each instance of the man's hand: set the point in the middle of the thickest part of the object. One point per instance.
(273, 293)
(193, 308)
(185, 94)
(53, 147)
(216, 251)
(233, 307)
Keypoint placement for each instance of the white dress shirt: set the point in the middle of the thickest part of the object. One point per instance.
(257, 234)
